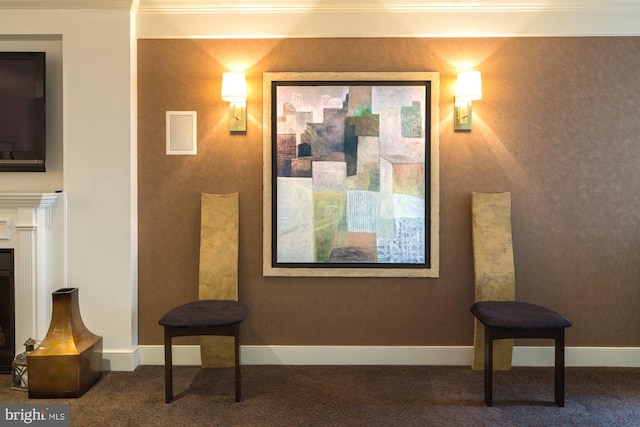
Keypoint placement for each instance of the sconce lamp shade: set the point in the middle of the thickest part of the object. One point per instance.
(469, 86)
(234, 87)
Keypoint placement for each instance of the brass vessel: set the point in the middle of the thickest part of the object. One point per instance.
(69, 359)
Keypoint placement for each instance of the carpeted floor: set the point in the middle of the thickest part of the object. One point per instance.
(352, 396)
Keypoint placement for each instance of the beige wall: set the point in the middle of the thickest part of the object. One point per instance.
(93, 161)
(556, 128)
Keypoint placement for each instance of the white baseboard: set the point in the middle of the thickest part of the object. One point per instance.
(121, 360)
(372, 355)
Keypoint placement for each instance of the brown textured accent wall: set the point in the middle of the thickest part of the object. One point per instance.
(556, 127)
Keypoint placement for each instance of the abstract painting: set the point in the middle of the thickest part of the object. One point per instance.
(351, 174)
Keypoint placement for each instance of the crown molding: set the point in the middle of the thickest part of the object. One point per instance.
(305, 6)
(293, 6)
(364, 18)
(386, 18)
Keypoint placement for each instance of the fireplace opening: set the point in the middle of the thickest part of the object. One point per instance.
(7, 311)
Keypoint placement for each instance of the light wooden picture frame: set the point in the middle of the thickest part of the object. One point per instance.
(351, 174)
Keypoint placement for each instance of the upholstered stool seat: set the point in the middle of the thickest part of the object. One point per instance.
(514, 319)
(204, 317)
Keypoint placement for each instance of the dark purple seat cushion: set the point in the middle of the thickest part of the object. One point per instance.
(515, 315)
(205, 313)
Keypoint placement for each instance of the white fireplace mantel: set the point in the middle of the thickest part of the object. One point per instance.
(32, 224)
(27, 200)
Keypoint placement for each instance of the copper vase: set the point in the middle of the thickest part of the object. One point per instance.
(69, 359)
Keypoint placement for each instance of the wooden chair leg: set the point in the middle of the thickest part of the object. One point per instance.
(236, 339)
(559, 372)
(488, 367)
(168, 367)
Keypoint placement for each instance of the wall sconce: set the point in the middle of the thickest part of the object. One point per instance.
(468, 89)
(234, 91)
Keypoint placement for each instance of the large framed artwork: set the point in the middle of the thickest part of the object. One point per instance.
(351, 177)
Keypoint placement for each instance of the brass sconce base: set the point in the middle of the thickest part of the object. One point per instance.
(238, 117)
(462, 116)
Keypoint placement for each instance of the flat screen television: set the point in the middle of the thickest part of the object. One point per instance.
(22, 112)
